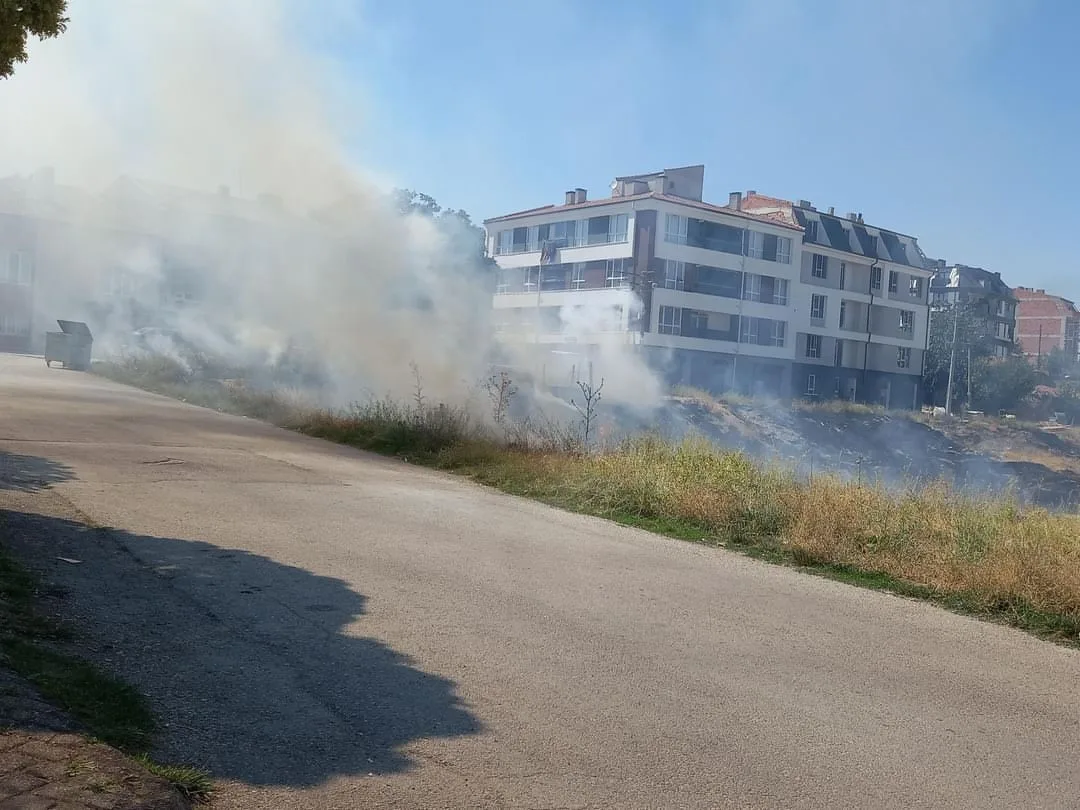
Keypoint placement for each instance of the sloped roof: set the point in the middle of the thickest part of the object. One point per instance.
(703, 206)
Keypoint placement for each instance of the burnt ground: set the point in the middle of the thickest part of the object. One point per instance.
(1039, 466)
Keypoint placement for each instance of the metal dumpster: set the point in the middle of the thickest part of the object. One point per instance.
(70, 346)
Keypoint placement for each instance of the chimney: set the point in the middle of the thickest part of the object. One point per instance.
(860, 218)
(805, 204)
(735, 201)
(579, 195)
(832, 211)
(851, 216)
(750, 192)
(570, 197)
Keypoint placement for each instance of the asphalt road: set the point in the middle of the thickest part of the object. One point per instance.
(325, 629)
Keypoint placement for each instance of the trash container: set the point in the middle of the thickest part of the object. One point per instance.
(70, 346)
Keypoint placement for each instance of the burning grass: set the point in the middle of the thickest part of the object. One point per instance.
(990, 557)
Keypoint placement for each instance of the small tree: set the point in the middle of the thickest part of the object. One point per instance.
(20, 19)
(1002, 384)
(590, 399)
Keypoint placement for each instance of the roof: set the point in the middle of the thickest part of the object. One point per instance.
(840, 233)
(661, 172)
(703, 206)
(966, 276)
(1037, 303)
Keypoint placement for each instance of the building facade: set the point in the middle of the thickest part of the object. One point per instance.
(1045, 322)
(760, 295)
(988, 301)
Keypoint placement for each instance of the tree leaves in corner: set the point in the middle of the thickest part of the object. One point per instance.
(20, 19)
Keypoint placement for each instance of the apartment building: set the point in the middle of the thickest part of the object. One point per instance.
(988, 302)
(1045, 322)
(759, 295)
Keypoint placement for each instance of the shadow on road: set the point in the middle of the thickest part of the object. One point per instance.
(31, 473)
(258, 670)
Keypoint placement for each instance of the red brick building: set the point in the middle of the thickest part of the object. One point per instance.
(1045, 322)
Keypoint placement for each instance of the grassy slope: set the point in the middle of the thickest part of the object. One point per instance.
(988, 558)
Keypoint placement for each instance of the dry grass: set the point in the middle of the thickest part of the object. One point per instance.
(990, 557)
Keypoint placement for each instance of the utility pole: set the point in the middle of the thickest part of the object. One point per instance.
(952, 360)
(968, 405)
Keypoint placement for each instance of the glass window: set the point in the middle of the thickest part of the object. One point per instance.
(813, 346)
(783, 250)
(820, 266)
(670, 321)
(907, 320)
(811, 384)
(674, 275)
(751, 287)
(894, 280)
(618, 273)
(780, 291)
(675, 229)
(875, 278)
(577, 276)
(817, 306)
(903, 357)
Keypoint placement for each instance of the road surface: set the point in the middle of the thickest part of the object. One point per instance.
(321, 628)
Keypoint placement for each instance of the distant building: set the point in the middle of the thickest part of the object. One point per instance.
(760, 295)
(1045, 322)
(983, 295)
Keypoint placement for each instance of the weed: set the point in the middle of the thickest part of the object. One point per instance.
(192, 783)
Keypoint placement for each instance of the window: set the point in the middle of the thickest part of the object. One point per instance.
(915, 287)
(811, 231)
(751, 287)
(843, 313)
(675, 229)
(780, 291)
(699, 322)
(820, 267)
(670, 321)
(506, 242)
(838, 359)
(577, 276)
(618, 227)
(903, 357)
(564, 234)
(813, 346)
(811, 384)
(674, 275)
(907, 320)
(783, 250)
(768, 247)
(502, 284)
(19, 269)
(875, 279)
(894, 280)
(817, 307)
(843, 273)
(618, 273)
(762, 331)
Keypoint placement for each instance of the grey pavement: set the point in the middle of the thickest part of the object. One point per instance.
(321, 628)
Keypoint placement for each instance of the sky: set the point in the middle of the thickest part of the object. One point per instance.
(952, 120)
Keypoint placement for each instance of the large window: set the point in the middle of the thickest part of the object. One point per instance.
(915, 287)
(875, 279)
(766, 289)
(717, 281)
(817, 307)
(811, 384)
(674, 275)
(903, 357)
(894, 281)
(675, 229)
(567, 233)
(577, 276)
(819, 267)
(618, 273)
(670, 321)
(768, 247)
(813, 346)
(762, 331)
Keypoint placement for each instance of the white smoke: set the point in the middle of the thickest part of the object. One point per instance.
(210, 95)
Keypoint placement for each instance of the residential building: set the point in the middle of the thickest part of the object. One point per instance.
(987, 300)
(1045, 322)
(716, 296)
(861, 311)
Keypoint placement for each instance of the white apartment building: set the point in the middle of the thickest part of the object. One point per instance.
(718, 297)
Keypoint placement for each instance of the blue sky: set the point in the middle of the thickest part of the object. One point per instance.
(954, 120)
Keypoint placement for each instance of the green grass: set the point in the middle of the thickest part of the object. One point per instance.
(192, 783)
(986, 557)
(109, 709)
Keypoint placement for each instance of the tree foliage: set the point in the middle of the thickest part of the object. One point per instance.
(1001, 384)
(972, 332)
(20, 19)
(466, 239)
